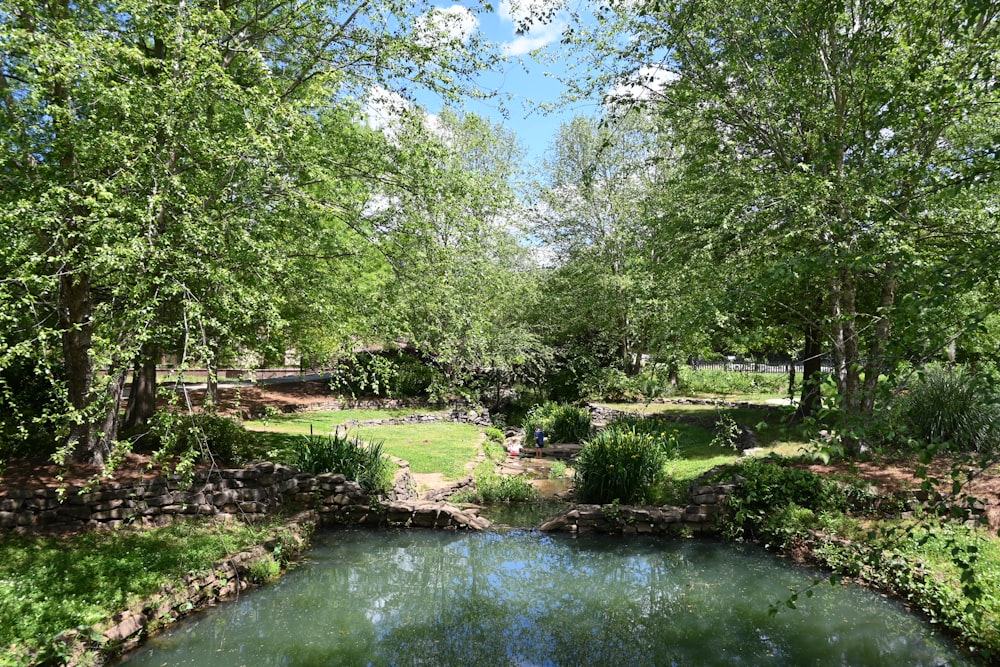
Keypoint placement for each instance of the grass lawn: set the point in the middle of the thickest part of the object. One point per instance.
(434, 447)
(699, 455)
(50, 584)
(322, 422)
(442, 447)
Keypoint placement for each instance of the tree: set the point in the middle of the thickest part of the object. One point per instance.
(154, 167)
(853, 142)
(458, 270)
(613, 297)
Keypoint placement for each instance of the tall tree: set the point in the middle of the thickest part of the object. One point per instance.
(153, 150)
(851, 140)
(459, 277)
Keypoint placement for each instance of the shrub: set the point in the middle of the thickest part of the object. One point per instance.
(620, 464)
(559, 422)
(664, 432)
(353, 458)
(612, 384)
(770, 492)
(494, 488)
(950, 407)
(203, 435)
(717, 381)
(494, 434)
(30, 409)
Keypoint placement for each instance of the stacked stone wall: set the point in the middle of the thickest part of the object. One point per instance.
(260, 490)
(695, 518)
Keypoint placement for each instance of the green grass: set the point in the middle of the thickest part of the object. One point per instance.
(49, 585)
(698, 455)
(442, 447)
(436, 447)
(322, 422)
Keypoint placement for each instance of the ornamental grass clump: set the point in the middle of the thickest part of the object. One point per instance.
(950, 407)
(623, 464)
(359, 461)
(559, 422)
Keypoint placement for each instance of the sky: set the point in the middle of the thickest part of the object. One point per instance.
(523, 83)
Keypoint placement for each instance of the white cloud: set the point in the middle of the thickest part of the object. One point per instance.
(441, 27)
(384, 110)
(537, 19)
(648, 83)
(535, 38)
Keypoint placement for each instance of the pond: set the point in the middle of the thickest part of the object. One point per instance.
(524, 598)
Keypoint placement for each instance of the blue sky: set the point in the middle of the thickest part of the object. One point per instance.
(524, 82)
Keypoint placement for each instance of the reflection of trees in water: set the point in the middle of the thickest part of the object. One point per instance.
(433, 598)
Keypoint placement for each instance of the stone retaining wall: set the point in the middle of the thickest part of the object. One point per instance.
(225, 581)
(252, 493)
(477, 416)
(697, 517)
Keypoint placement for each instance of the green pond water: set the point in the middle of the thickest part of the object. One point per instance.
(523, 598)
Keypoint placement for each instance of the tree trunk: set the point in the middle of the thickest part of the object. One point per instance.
(76, 315)
(811, 367)
(142, 395)
(852, 415)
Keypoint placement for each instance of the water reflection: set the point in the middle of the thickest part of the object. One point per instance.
(431, 598)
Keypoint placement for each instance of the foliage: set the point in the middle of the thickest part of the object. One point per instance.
(770, 493)
(497, 488)
(265, 570)
(359, 461)
(322, 421)
(612, 384)
(494, 434)
(557, 470)
(494, 451)
(727, 432)
(94, 575)
(928, 565)
(833, 162)
(31, 404)
(129, 125)
(559, 422)
(200, 435)
(622, 463)
(948, 407)
(712, 381)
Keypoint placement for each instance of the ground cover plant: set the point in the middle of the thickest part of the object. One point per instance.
(49, 585)
(494, 487)
(947, 570)
(716, 381)
(558, 421)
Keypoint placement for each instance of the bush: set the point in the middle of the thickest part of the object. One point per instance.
(31, 405)
(622, 464)
(560, 423)
(359, 461)
(771, 492)
(949, 407)
(204, 435)
(494, 488)
(713, 381)
(612, 384)
(664, 432)
(493, 434)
